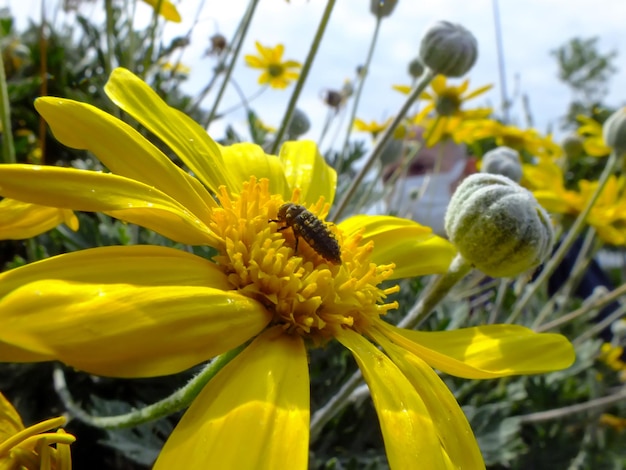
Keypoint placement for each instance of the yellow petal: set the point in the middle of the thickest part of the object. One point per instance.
(405, 89)
(12, 353)
(185, 137)
(246, 160)
(10, 421)
(123, 150)
(167, 10)
(410, 246)
(260, 401)
(141, 265)
(120, 197)
(488, 351)
(305, 168)
(438, 84)
(408, 430)
(254, 62)
(477, 92)
(123, 330)
(452, 428)
(20, 220)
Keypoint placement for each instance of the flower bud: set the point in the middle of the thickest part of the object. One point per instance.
(382, 8)
(218, 44)
(333, 99)
(498, 226)
(573, 146)
(299, 124)
(416, 68)
(503, 161)
(614, 131)
(448, 49)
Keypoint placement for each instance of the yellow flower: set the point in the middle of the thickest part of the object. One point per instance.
(608, 215)
(447, 102)
(20, 220)
(616, 422)
(140, 311)
(276, 73)
(374, 128)
(167, 9)
(529, 140)
(176, 69)
(31, 448)
(546, 180)
(591, 130)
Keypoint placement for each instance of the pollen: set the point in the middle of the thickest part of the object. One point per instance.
(307, 294)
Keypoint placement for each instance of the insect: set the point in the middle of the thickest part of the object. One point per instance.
(305, 224)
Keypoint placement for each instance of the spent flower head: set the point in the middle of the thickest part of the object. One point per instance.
(277, 283)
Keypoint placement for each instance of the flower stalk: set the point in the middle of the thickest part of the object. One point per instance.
(564, 247)
(291, 106)
(245, 24)
(177, 401)
(381, 143)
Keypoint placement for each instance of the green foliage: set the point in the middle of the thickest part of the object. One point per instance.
(586, 71)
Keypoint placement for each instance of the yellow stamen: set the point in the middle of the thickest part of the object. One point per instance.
(308, 294)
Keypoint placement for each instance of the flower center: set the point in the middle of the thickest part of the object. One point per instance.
(307, 293)
(448, 104)
(275, 70)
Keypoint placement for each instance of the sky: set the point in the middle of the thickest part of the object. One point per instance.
(530, 30)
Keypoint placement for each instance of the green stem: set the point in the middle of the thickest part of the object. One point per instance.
(110, 33)
(566, 244)
(593, 302)
(8, 147)
(598, 327)
(503, 288)
(335, 404)
(435, 291)
(566, 289)
(245, 24)
(591, 405)
(319, 34)
(380, 145)
(359, 90)
(175, 402)
(147, 59)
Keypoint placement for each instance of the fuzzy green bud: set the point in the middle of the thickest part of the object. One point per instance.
(614, 131)
(498, 226)
(448, 49)
(503, 161)
(572, 146)
(299, 124)
(382, 8)
(416, 68)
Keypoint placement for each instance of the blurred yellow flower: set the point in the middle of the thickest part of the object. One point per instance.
(612, 356)
(34, 447)
(373, 127)
(172, 309)
(591, 130)
(522, 140)
(608, 215)
(447, 102)
(177, 68)
(21, 220)
(167, 9)
(615, 422)
(276, 73)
